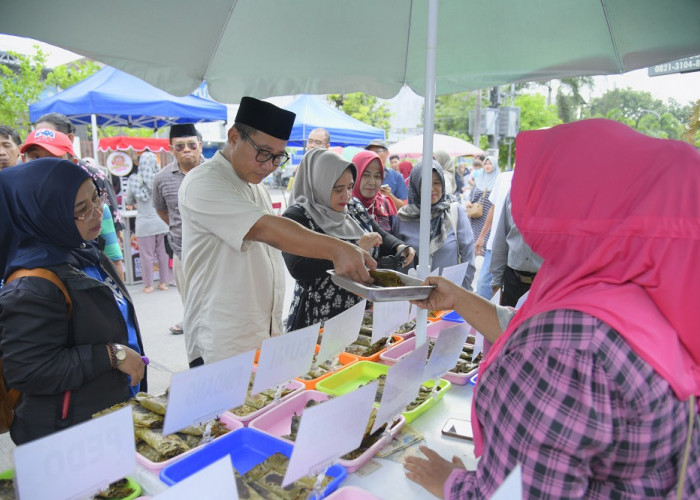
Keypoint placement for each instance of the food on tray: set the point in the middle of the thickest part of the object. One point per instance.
(265, 481)
(386, 279)
(148, 428)
(406, 327)
(465, 365)
(296, 419)
(157, 404)
(319, 371)
(118, 489)
(363, 346)
(7, 489)
(255, 402)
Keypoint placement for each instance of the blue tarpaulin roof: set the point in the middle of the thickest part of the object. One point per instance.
(312, 112)
(120, 99)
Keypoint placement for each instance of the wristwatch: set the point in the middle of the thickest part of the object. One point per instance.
(119, 353)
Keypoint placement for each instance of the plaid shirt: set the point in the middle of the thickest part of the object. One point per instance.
(584, 415)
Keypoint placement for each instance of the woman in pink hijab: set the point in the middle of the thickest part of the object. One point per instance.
(591, 387)
(370, 176)
(405, 168)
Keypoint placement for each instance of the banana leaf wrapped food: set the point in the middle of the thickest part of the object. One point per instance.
(157, 404)
(7, 489)
(118, 489)
(167, 446)
(265, 481)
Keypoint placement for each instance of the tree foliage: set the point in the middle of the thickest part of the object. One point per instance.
(20, 89)
(363, 107)
(26, 85)
(641, 111)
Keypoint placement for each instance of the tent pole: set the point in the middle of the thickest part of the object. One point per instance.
(93, 122)
(427, 174)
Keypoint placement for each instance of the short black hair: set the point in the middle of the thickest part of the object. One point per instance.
(61, 122)
(6, 131)
(394, 156)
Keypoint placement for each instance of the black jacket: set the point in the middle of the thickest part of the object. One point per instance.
(45, 353)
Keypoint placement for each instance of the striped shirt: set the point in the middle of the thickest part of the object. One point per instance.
(165, 186)
(585, 416)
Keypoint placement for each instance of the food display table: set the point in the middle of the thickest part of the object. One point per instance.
(385, 477)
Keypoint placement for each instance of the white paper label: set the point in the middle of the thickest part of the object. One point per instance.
(284, 357)
(456, 273)
(446, 351)
(319, 442)
(340, 331)
(216, 479)
(78, 461)
(387, 317)
(511, 487)
(402, 383)
(204, 392)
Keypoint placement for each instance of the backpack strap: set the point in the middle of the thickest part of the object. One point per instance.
(40, 272)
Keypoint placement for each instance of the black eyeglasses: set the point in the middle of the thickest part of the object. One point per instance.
(263, 155)
(181, 146)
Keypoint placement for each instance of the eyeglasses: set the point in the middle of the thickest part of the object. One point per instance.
(263, 155)
(182, 145)
(94, 205)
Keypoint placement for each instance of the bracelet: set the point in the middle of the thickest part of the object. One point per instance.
(112, 356)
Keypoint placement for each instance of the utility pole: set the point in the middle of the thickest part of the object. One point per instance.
(477, 118)
(493, 139)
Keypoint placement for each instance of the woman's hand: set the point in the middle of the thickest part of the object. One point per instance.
(408, 254)
(133, 365)
(442, 297)
(368, 241)
(479, 245)
(385, 189)
(431, 473)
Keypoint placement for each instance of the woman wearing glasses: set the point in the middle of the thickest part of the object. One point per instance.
(324, 203)
(68, 364)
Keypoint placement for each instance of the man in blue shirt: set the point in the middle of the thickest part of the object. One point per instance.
(394, 185)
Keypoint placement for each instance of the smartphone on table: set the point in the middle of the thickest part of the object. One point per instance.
(458, 428)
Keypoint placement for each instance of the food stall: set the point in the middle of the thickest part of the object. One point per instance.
(117, 154)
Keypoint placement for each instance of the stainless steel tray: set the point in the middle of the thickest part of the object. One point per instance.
(412, 291)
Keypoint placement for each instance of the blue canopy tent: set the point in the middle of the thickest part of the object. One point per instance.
(119, 99)
(312, 112)
(113, 98)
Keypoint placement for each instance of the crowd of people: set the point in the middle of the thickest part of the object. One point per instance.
(589, 385)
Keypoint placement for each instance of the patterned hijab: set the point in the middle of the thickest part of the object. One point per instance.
(486, 181)
(37, 227)
(627, 256)
(141, 183)
(439, 223)
(318, 172)
(376, 205)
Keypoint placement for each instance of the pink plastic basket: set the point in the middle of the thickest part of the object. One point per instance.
(278, 422)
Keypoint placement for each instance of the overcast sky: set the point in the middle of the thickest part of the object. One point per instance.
(684, 88)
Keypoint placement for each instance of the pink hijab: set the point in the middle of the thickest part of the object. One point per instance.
(615, 215)
(382, 205)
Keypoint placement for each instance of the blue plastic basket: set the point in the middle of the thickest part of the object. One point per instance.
(454, 317)
(246, 448)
